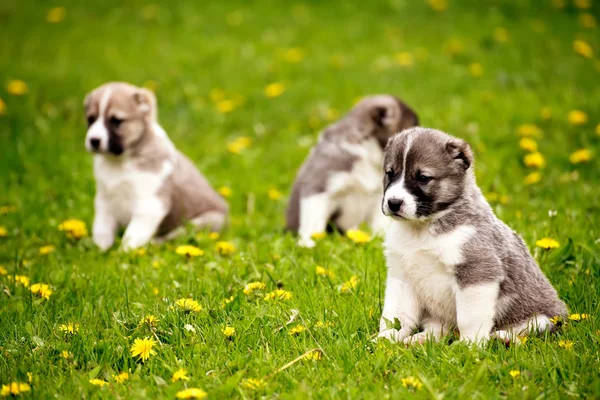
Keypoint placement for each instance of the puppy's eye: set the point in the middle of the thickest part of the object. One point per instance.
(389, 174)
(91, 119)
(116, 122)
(424, 179)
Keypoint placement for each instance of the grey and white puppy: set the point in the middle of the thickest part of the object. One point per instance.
(451, 261)
(340, 180)
(143, 182)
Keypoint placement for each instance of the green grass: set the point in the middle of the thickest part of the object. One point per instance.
(189, 48)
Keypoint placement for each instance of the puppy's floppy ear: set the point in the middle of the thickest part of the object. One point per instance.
(408, 118)
(460, 151)
(145, 100)
(379, 115)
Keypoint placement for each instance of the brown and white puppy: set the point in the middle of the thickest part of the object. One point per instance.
(451, 262)
(339, 182)
(143, 182)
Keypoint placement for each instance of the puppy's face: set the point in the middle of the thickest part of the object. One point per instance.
(387, 115)
(425, 173)
(118, 117)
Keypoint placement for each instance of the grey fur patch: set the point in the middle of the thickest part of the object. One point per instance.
(495, 253)
(379, 117)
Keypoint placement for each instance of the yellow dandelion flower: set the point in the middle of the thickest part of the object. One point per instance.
(188, 305)
(65, 354)
(583, 48)
(69, 328)
(566, 344)
(350, 284)
(501, 34)
(583, 4)
(252, 286)
(410, 382)
(515, 373)
(228, 331)
(318, 235)
(404, 59)
(140, 252)
(42, 290)
(274, 194)
(74, 228)
(155, 291)
(528, 144)
(274, 89)
(16, 87)
(278, 294)
(577, 117)
(239, 144)
(253, 383)
(56, 15)
(580, 156)
(142, 348)
(225, 248)
(149, 321)
(532, 178)
(7, 209)
(358, 236)
(46, 250)
(213, 235)
(3, 271)
(21, 280)
(546, 113)
(314, 356)
(294, 55)
(226, 301)
(534, 160)
(121, 377)
(3, 231)
(296, 330)
(556, 319)
(225, 191)
(98, 382)
(523, 339)
(2, 112)
(529, 130)
(189, 250)
(547, 243)
(225, 106)
(476, 69)
(587, 20)
(14, 389)
(323, 325)
(578, 317)
(179, 375)
(191, 393)
(438, 5)
(324, 272)
(216, 95)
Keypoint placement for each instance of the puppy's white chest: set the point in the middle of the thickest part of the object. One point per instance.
(426, 262)
(122, 186)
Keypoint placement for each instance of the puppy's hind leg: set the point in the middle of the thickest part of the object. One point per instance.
(315, 211)
(213, 220)
(535, 325)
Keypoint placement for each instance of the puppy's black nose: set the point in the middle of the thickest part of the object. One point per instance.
(395, 204)
(95, 143)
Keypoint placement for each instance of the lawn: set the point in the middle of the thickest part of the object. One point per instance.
(277, 73)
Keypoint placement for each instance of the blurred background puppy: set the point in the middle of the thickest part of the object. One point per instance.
(339, 183)
(143, 182)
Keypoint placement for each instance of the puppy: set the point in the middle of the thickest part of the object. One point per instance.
(339, 182)
(451, 262)
(142, 182)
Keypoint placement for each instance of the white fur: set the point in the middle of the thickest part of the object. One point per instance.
(421, 275)
(357, 193)
(127, 196)
(398, 191)
(475, 310)
(98, 130)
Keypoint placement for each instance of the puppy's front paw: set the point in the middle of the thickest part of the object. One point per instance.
(307, 243)
(132, 243)
(417, 338)
(394, 335)
(104, 242)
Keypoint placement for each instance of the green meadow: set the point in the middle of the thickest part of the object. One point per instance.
(244, 89)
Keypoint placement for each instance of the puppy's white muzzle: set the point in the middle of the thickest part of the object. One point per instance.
(398, 202)
(96, 139)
